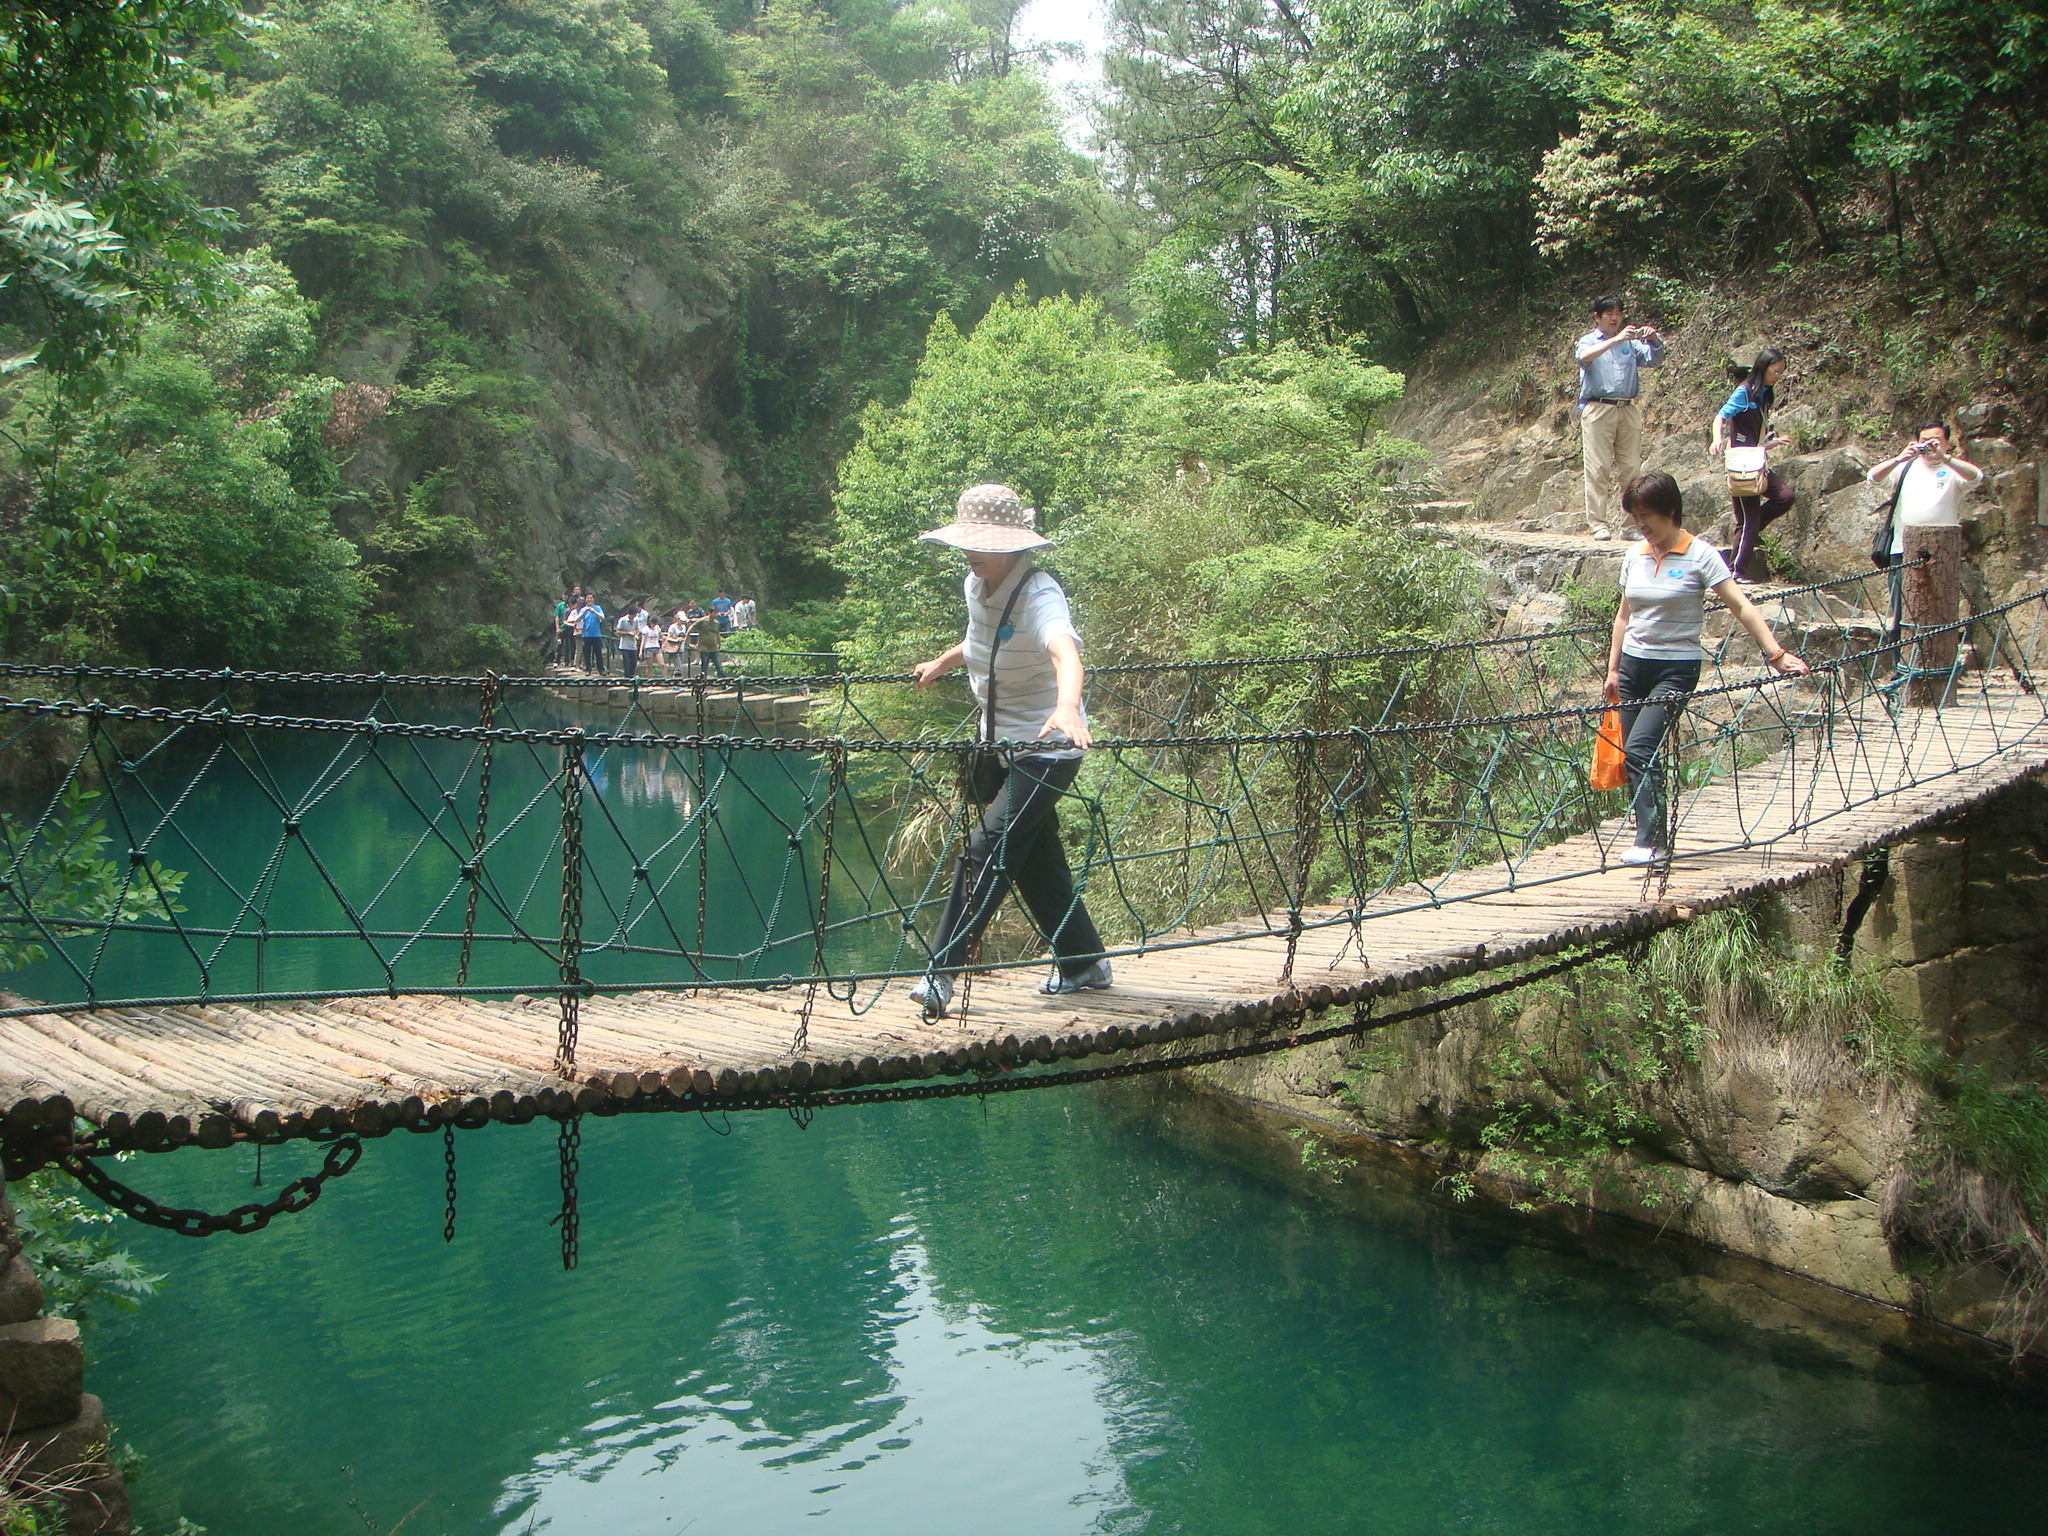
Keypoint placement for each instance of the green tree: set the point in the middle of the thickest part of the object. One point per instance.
(1042, 396)
(94, 232)
(1702, 125)
(1415, 131)
(1239, 512)
(205, 450)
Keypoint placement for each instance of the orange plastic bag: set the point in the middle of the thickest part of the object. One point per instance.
(1610, 768)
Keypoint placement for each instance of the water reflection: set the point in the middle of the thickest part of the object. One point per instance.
(1052, 1316)
(973, 1429)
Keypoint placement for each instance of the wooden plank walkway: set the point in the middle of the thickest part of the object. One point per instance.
(206, 1074)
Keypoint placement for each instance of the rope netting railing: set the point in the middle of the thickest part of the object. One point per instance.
(496, 838)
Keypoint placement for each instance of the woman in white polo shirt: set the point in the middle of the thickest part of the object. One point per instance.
(1023, 659)
(1654, 656)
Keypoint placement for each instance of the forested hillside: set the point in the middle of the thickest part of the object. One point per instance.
(352, 331)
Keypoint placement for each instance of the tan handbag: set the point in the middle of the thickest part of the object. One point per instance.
(1747, 472)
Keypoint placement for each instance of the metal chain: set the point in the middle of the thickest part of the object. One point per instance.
(1362, 1021)
(226, 677)
(1308, 825)
(342, 1155)
(572, 910)
(473, 871)
(705, 804)
(815, 746)
(568, 1152)
(448, 1163)
(835, 785)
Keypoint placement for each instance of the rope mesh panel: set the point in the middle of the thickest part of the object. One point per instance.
(166, 853)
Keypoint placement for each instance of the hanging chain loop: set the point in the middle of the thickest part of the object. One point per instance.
(835, 786)
(342, 1155)
(487, 719)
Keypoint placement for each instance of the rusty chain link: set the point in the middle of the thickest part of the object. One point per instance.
(342, 1155)
(572, 910)
(835, 785)
(448, 1164)
(1308, 825)
(473, 871)
(568, 1152)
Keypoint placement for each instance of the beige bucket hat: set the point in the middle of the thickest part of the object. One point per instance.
(990, 520)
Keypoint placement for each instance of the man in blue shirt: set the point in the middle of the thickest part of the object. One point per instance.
(1610, 419)
(591, 626)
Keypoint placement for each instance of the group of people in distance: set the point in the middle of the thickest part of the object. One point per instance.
(689, 641)
(1654, 654)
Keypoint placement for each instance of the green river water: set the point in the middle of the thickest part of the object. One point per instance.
(1063, 1312)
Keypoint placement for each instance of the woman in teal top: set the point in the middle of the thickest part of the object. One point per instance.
(1741, 424)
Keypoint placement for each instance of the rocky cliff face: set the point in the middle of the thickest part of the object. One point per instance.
(1778, 1134)
(614, 473)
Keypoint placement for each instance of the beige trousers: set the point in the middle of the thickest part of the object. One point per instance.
(1611, 437)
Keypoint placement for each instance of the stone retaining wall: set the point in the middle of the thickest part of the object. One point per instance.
(56, 1431)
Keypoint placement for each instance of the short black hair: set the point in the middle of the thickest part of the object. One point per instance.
(1604, 303)
(1654, 492)
(1935, 426)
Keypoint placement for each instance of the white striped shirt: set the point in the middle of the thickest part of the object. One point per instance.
(1027, 688)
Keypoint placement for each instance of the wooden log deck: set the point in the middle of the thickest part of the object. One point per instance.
(157, 1078)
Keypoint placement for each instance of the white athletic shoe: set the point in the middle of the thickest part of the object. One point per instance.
(934, 995)
(1640, 855)
(1095, 978)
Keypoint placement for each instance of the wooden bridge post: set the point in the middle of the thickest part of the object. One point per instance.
(1933, 597)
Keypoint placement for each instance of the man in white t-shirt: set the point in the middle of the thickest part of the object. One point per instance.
(1932, 483)
(1935, 483)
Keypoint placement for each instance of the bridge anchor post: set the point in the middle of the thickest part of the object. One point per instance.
(1932, 598)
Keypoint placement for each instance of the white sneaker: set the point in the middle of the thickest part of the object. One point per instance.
(934, 995)
(1641, 855)
(1095, 978)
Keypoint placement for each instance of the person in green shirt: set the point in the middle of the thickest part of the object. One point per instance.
(707, 644)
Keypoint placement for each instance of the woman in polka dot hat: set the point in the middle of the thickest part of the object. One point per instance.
(1023, 660)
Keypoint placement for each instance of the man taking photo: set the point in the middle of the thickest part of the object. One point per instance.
(1610, 419)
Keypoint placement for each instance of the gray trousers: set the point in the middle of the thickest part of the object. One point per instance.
(1651, 692)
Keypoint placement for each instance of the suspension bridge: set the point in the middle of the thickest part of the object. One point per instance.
(460, 901)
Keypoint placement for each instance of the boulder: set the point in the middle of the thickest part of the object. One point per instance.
(1742, 357)
(42, 1373)
(1750, 1122)
(1838, 528)
(1801, 423)
(99, 1507)
(1814, 475)
(1981, 416)
(1991, 453)
(61, 1450)
(21, 1293)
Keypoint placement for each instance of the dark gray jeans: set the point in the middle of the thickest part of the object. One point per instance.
(1018, 843)
(1650, 690)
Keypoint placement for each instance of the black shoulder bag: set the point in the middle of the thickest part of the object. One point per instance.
(1881, 537)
